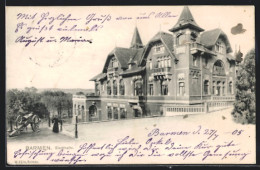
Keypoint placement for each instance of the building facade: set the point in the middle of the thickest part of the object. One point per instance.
(186, 71)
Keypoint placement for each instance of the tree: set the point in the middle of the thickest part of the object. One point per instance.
(244, 107)
(57, 101)
(80, 93)
(21, 102)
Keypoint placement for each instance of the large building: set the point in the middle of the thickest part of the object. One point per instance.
(186, 71)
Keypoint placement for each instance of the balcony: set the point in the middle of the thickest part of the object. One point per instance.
(78, 96)
(195, 47)
(162, 73)
(223, 98)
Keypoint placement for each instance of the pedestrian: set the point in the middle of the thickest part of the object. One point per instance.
(55, 122)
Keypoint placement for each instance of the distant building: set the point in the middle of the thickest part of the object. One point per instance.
(186, 72)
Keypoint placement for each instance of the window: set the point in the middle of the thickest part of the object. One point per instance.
(169, 62)
(97, 89)
(205, 62)
(138, 88)
(150, 64)
(193, 37)
(164, 62)
(151, 89)
(114, 63)
(181, 88)
(122, 113)
(231, 67)
(218, 68)
(159, 63)
(115, 112)
(122, 87)
(220, 47)
(181, 39)
(218, 88)
(115, 87)
(213, 87)
(109, 112)
(206, 87)
(108, 88)
(164, 88)
(159, 48)
(230, 89)
(223, 88)
(92, 111)
(194, 63)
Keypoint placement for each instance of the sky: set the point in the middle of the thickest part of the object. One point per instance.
(72, 65)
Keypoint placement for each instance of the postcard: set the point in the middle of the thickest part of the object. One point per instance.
(130, 85)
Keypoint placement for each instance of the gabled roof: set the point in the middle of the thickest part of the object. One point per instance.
(165, 38)
(123, 56)
(99, 77)
(136, 40)
(186, 20)
(209, 38)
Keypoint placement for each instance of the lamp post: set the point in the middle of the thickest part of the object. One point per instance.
(76, 127)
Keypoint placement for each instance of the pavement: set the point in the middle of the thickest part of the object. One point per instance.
(101, 131)
(45, 134)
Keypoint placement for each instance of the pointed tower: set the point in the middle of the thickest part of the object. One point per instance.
(186, 20)
(136, 40)
(186, 29)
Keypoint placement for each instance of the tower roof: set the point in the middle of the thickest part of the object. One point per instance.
(136, 40)
(186, 20)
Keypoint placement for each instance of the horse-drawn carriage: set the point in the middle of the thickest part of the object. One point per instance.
(22, 121)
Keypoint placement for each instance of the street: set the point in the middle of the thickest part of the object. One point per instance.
(45, 134)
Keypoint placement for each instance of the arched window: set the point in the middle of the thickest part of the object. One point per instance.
(108, 88)
(92, 111)
(138, 84)
(218, 68)
(122, 87)
(206, 87)
(79, 110)
(164, 88)
(223, 88)
(109, 112)
(218, 88)
(115, 87)
(214, 87)
(122, 113)
(181, 39)
(115, 112)
(181, 88)
(230, 87)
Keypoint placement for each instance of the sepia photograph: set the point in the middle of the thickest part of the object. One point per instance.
(130, 85)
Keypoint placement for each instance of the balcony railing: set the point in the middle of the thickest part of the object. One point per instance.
(79, 96)
(162, 70)
(223, 98)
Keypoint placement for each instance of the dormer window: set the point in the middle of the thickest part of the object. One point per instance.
(114, 63)
(220, 47)
(159, 48)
